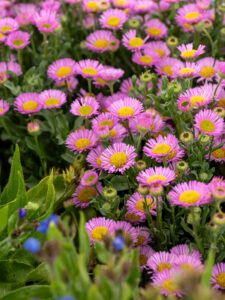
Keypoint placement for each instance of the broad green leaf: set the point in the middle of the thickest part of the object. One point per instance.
(101, 252)
(94, 293)
(13, 271)
(4, 216)
(39, 275)
(84, 242)
(29, 292)
(135, 274)
(119, 183)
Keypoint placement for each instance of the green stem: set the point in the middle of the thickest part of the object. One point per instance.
(55, 45)
(54, 120)
(129, 131)
(139, 142)
(210, 40)
(218, 84)
(210, 147)
(159, 216)
(164, 162)
(45, 41)
(40, 155)
(33, 45)
(20, 58)
(196, 232)
(128, 182)
(7, 130)
(80, 15)
(111, 88)
(148, 215)
(89, 85)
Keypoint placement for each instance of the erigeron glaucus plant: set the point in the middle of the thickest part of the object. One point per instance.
(118, 110)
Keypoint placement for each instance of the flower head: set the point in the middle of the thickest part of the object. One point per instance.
(187, 51)
(89, 68)
(8, 25)
(18, 39)
(126, 108)
(46, 21)
(93, 157)
(133, 42)
(28, 103)
(218, 276)
(84, 194)
(62, 69)
(113, 18)
(84, 107)
(209, 123)
(159, 47)
(145, 252)
(97, 228)
(147, 58)
(4, 107)
(81, 140)
(98, 41)
(136, 204)
(155, 29)
(161, 261)
(143, 236)
(52, 98)
(89, 178)
(156, 175)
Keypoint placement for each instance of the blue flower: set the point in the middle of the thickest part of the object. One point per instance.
(32, 245)
(118, 243)
(22, 212)
(53, 218)
(43, 227)
(65, 298)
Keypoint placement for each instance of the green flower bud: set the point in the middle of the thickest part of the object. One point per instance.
(182, 166)
(186, 137)
(219, 218)
(203, 176)
(172, 42)
(204, 139)
(197, 216)
(146, 77)
(140, 165)
(134, 23)
(143, 190)
(109, 193)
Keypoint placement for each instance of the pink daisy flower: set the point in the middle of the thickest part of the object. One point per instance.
(117, 133)
(14, 67)
(110, 74)
(198, 96)
(62, 69)
(4, 107)
(121, 3)
(187, 69)
(98, 41)
(159, 47)
(147, 58)
(93, 157)
(155, 29)
(143, 6)
(208, 122)
(207, 68)
(8, 25)
(184, 103)
(89, 178)
(50, 5)
(218, 276)
(97, 228)
(88, 68)
(81, 140)
(135, 205)
(167, 65)
(90, 5)
(46, 21)
(18, 40)
(189, 14)
(218, 154)
(143, 236)
(71, 83)
(184, 249)
(164, 147)
(113, 18)
(187, 51)
(104, 119)
(133, 42)
(188, 263)
(84, 107)
(161, 261)
(158, 175)
(166, 281)
(126, 86)
(24, 13)
(126, 108)
(118, 158)
(28, 103)
(192, 193)
(52, 98)
(3, 72)
(145, 252)
(128, 231)
(157, 123)
(84, 194)
(221, 68)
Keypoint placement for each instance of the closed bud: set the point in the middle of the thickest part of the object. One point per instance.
(222, 33)
(134, 23)
(204, 139)
(79, 159)
(197, 216)
(219, 218)
(203, 176)
(186, 137)
(106, 207)
(109, 193)
(207, 23)
(199, 27)
(212, 226)
(143, 189)
(172, 42)
(175, 86)
(181, 166)
(156, 189)
(220, 111)
(146, 77)
(33, 128)
(140, 165)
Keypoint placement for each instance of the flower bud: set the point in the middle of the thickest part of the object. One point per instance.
(212, 226)
(33, 128)
(186, 137)
(143, 189)
(197, 216)
(181, 166)
(146, 77)
(79, 159)
(106, 207)
(134, 23)
(219, 218)
(204, 139)
(109, 193)
(113, 45)
(156, 189)
(220, 111)
(140, 165)
(172, 42)
(203, 176)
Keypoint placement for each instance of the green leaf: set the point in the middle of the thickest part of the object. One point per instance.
(28, 292)
(84, 242)
(164, 84)
(40, 275)
(4, 217)
(68, 156)
(10, 191)
(119, 183)
(135, 274)
(206, 278)
(101, 252)
(94, 293)
(13, 271)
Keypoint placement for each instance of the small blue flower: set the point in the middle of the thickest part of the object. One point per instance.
(43, 227)
(118, 243)
(22, 212)
(32, 245)
(65, 298)
(53, 218)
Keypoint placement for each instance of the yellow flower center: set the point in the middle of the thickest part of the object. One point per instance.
(106, 123)
(113, 133)
(219, 153)
(126, 111)
(168, 70)
(82, 143)
(189, 197)
(207, 126)
(141, 240)
(30, 105)
(221, 102)
(1, 36)
(98, 161)
(100, 80)
(99, 232)
(132, 217)
(160, 52)
(162, 149)
(52, 101)
(89, 71)
(197, 99)
(188, 53)
(192, 16)
(146, 59)
(118, 159)
(140, 204)
(18, 42)
(64, 71)
(164, 266)
(6, 28)
(86, 194)
(113, 21)
(1, 110)
(207, 71)
(187, 267)
(100, 43)
(155, 178)
(143, 260)
(47, 26)
(186, 71)
(136, 42)
(154, 31)
(171, 155)
(188, 26)
(85, 110)
(220, 279)
(169, 285)
(92, 6)
(121, 2)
